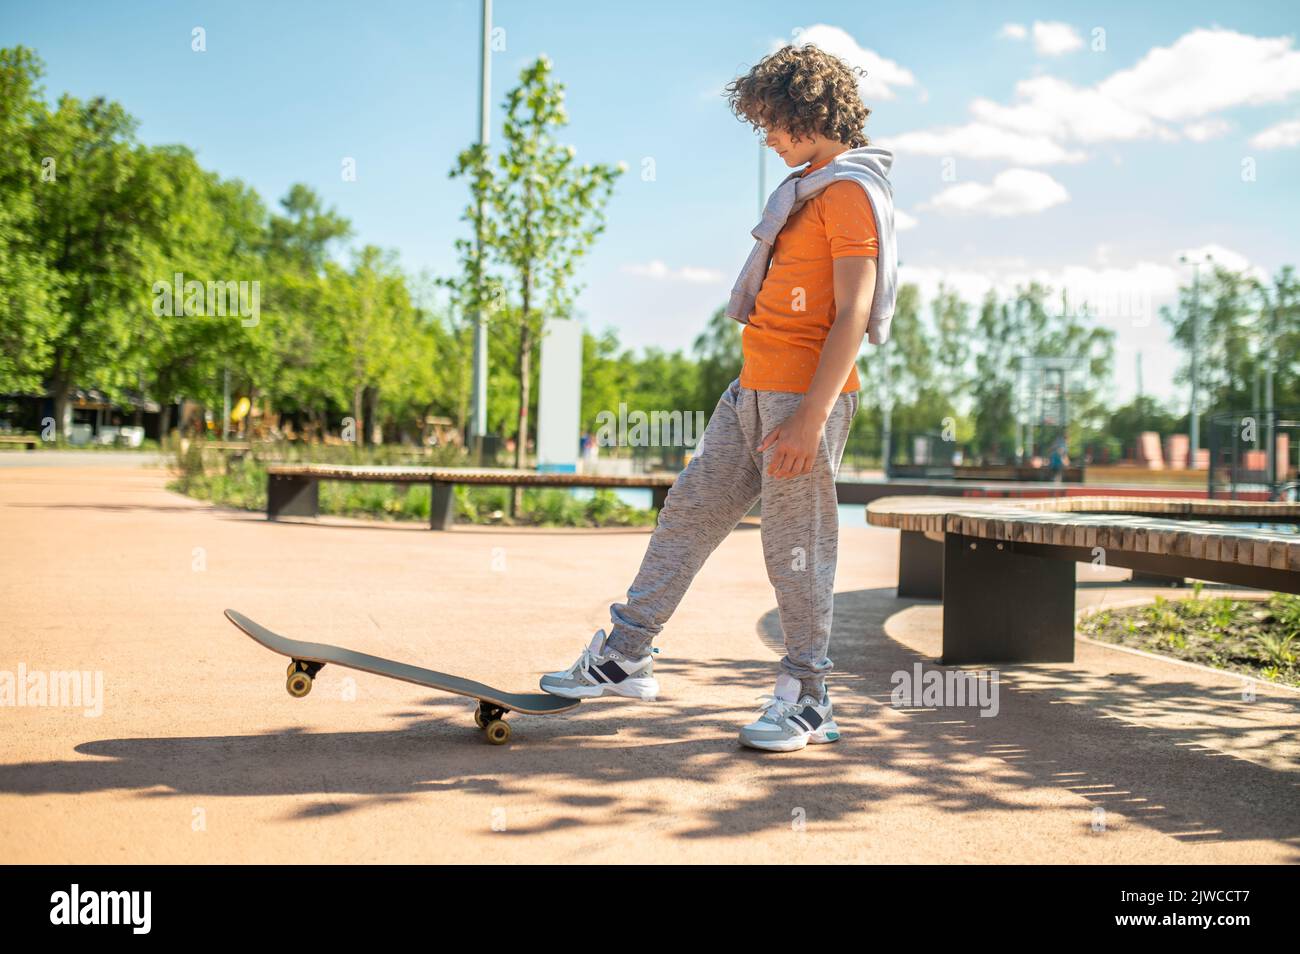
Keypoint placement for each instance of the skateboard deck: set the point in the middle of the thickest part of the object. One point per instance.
(308, 658)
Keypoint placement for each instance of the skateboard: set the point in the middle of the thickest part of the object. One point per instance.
(309, 658)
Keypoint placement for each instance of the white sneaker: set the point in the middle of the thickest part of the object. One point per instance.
(604, 672)
(790, 722)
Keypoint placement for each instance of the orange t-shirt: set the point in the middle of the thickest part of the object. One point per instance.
(795, 307)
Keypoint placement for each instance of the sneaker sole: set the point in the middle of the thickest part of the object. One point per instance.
(829, 732)
(640, 691)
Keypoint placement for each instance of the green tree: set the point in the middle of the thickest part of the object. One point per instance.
(899, 378)
(449, 338)
(1025, 327)
(544, 213)
(372, 309)
(952, 351)
(1278, 334)
(214, 236)
(299, 354)
(1143, 413)
(720, 355)
(1224, 323)
(994, 388)
(102, 219)
(30, 319)
(604, 371)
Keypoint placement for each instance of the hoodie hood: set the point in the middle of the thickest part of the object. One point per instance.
(874, 158)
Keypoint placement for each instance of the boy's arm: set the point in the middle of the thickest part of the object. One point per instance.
(799, 436)
(855, 288)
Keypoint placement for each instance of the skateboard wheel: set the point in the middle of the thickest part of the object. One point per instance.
(498, 732)
(478, 718)
(299, 684)
(293, 667)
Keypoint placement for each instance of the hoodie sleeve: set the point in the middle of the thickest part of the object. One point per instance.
(850, 220)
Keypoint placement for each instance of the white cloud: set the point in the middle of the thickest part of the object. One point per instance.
(883, 75)
(658, 271)
(983, 141)
(1206, 129)
(1281, 135)
(1060, 111)
(1204, 72)
(903, 221)
(1050, 38)
(1054, 38)
(699, 276)
(1012, 192)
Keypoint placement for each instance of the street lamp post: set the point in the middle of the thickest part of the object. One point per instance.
(1270, 355)
(886, 410)
(1196, 345)
(478, 409)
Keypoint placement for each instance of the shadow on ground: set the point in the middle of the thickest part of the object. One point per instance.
(1070, 731)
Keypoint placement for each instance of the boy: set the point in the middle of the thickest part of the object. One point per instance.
(821, 275)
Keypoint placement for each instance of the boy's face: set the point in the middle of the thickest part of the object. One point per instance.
(794, 153)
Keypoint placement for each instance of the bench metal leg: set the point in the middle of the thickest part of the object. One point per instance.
(920, 566)
(658, 497)
(1005, 607)
(291, 496)
(442, 506)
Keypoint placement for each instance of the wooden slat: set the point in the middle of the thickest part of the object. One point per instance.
(1122, 524)
(467, 475)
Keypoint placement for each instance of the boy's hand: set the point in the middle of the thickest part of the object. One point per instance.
(797, 440)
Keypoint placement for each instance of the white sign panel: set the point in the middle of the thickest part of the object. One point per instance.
(559, 401)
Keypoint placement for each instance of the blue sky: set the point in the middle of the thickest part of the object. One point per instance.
(1027, 143)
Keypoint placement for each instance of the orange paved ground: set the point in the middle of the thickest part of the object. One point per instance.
(200, 755)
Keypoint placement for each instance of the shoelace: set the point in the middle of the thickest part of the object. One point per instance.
(588, 656)
(775, 708)
(582, 662)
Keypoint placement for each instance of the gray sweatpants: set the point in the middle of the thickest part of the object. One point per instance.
(800, 528)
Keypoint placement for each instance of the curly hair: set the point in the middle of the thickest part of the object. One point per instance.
(803, 90)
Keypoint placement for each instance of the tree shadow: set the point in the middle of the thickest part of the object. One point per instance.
(1054, 730)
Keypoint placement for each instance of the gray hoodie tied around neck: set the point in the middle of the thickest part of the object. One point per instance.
(869, 167)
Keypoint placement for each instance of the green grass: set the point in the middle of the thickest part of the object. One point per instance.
(1259, 638)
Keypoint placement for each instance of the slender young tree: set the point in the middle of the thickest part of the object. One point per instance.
(30, 320)
(545, 212)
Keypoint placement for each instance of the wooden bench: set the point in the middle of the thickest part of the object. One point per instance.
(294, 489)
(31, 442)
(1071, 474)
(215, 445)
(1005, 571)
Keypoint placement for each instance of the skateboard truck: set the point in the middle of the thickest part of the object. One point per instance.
(492, 720)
